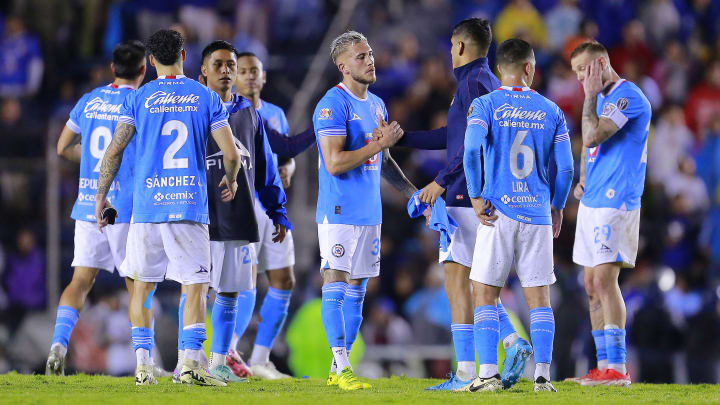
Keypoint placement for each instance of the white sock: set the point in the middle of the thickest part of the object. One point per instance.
(260, 355)
(143, 357)
(487, 370)
(602, 364)
(341, 358)
(234, 341)
(466, 370)
(333, 366)
(542, 370)
(60, 348)
(620, 368)
(194, 355)
(510, 340)
(216, 359)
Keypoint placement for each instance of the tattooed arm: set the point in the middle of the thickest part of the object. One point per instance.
(110, 165)
(394, 175)
(594, 130)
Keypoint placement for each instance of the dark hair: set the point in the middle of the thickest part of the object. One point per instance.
(246, 53)
(165, 46)
(589, 46)
(127, 59)
(216, 46)
(514, 51)
(477, 29)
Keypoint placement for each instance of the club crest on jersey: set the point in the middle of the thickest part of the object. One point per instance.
(608, 108)
(338, 250)
(622, 103)
(470, 110)
(325, 114)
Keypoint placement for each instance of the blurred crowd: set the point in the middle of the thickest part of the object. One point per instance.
(51, 51)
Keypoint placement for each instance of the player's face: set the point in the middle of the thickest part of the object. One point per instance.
(220, 68)
(359, 62)
(580, 62)
(251, 77)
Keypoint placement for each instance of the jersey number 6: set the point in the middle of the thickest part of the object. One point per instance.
(518, 148)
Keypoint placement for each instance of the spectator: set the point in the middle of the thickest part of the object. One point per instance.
(672, 72)
(521, 19)
(662, 20)
(563, 21)
(685, 184)
(21, 63)
(703, 102)
(672, 140)
(633, 46)
(646, 83)
(588, 32)
(24, 279)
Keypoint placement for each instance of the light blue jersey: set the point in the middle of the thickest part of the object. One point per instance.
(353, 197)
(94, 117)
(518, 132)
(615, 169)
(173, 116)
(274, 116)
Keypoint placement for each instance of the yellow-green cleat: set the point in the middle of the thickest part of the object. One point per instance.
(349, 382)
(332, 379)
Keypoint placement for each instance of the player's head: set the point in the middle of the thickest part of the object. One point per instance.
(515, 57)
(129, 60)
(352, 55)
(470, 40)
(251, 76)
(587, 52)
(219, 65)
(166, 48)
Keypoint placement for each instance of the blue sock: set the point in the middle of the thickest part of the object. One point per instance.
(65, 321)
(352, 312)
(462, 335)
(600, 348)
(181, 308)
(152, 326)
(615, 345)
(194, 336)
(142, 338)
(486, 335)
(506, 327)
(331, 313)
(542, 332)
(246, 306)
(273, 313)
(222, 319)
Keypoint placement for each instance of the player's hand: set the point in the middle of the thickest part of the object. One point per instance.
(484, 211)
(592, 84)
(286, 173)
(427, 214)
(376, 134)
(557, 217)
(431, 192)
(390, 133)
(579, 191)
(229, 189)
(100, 205)
(279, 234)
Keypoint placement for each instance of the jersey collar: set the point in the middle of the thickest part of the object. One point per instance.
(344, 87)
(172, 77)
(615, 86)
(121, 86)
(515, 88)
(463, 71)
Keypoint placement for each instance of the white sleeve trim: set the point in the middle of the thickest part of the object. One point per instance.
(562, 138)
(477, 121)
(73, 126)
(218, 124)
(125, 119)
(613, 113)
(332, 132)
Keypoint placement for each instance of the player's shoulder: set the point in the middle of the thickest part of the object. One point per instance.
(546, 104)
(626, 92)
(333, 98)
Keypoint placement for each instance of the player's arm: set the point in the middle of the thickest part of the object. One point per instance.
(562, 154)
(68, 145)
(231, 161)
(475, 140)
(394, 175)
(269, 186)
(596, 130)
(580, 187)
(289, 146)
(124, 133)
(434, 139)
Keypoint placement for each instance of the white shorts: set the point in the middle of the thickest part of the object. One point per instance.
(528, 247)
(462, 241)
(271, 255)
(179, 249)
(606, 235)
(231, 269)
(351, 248)
(98, 250)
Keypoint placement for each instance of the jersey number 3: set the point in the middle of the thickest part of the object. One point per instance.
(528, 161)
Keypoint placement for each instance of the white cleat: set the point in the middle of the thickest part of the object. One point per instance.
(192, 373)
(541, 384)
(490, 384)
(55, 363)
(268, 371)
(144, 375)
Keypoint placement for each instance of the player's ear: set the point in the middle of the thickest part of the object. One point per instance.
(461, 47)
(112, 67)
(183, 55)
(152, 60)
(203, 70)
(264, 76)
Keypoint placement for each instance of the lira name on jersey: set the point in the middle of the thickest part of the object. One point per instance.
(173, 116)
(94, 117)
(353, 197)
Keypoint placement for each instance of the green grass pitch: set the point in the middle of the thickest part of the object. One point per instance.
(84, 389)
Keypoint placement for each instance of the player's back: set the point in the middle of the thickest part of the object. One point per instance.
(94, 117)
(173, 116)
(615, 171)
(352, 197)
(522, 128)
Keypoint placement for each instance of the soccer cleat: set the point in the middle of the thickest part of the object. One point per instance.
(55, 363)
(590, 375)
(192, 373)
(332, 379)
(349, 382)
(515, 360)
(144, 375)
(541, 384)
(490, 384)
(268, 371)
(224, 373)
(608, 377)
(176, 377)
(453, 383)
(237, 364)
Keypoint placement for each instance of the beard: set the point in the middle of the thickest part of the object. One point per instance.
(364, 79)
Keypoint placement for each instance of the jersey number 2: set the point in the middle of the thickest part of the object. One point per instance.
(169, 160)
(517, 149)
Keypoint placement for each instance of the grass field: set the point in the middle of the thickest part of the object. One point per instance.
(83, 389)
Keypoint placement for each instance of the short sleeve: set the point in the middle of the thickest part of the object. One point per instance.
(75, 118)
(623, 105)
(478, 114)
(127, 111)
(284, 126)
(561, 130)
(330, 118)
(219, 114)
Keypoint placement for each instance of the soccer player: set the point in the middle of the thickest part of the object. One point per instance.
(518, 132)
(173, 117)
(349, 210)
(615, 121)
(471, 39)
(275, 258)
(83, 140)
